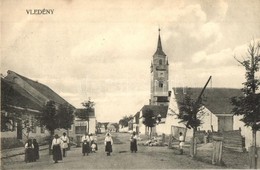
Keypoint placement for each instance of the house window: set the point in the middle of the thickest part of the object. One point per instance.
(160, 62)
(80, 129)
(42, 129)
(33, 126)
(160, 84)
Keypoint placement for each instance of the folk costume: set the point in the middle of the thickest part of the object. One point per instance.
(93, 143)
(56, 149)
(133, 142)
(181, 143)
(85, 144)
(29, 152)
(64, 144)
(108, 144)
(36, 150)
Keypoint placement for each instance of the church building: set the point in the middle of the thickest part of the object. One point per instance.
(159, 77)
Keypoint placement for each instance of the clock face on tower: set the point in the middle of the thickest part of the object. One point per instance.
(161, 74)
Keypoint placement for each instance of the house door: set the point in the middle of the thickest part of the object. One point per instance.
(225, 123)
(19, 130)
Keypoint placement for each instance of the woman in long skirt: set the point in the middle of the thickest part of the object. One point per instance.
(85, 144)
(36, 150)
(29, 153)
(108, 144)
(133, 142)
(56, 149)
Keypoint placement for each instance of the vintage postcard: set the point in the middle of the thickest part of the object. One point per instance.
(128, 84)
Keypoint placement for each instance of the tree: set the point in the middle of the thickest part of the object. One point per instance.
(65, 116)
(56, 116)
(190, 113)
(116, 126)
(188, 110)
(49, 117)
(89, 108)
(249, 105)
(149, 120)
(124, 121)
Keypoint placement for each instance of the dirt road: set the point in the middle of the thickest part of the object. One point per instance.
(121, 158)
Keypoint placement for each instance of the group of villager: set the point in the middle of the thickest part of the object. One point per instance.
(31, 150)
(89, 145)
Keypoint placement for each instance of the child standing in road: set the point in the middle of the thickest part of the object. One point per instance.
(65, 143)
(133, 143)
(181, 143)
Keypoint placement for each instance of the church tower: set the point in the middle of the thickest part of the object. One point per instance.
(159, 77)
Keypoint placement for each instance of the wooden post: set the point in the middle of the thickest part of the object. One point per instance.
(163, 138)
(217, 150)
(170, 142)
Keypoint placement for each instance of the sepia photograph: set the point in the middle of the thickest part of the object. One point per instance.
(128, 84)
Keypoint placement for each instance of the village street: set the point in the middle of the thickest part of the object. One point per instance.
(121, 158)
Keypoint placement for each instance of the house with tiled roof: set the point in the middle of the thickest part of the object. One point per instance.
(218, 115)
(216, 101)
(27, 97)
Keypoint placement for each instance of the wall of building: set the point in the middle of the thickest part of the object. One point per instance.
(209, 119)
(92, 125)
(246, 132)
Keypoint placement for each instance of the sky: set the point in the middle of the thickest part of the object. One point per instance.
(102, 49)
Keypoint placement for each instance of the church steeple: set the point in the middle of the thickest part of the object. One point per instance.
(159, 76)
(159, 50)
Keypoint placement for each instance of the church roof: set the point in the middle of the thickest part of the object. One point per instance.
(217, 100)
(159, 50)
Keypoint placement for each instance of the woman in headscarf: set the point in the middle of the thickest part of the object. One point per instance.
(85, 144)
(56, 149)
(108, 144)
(133, 142)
